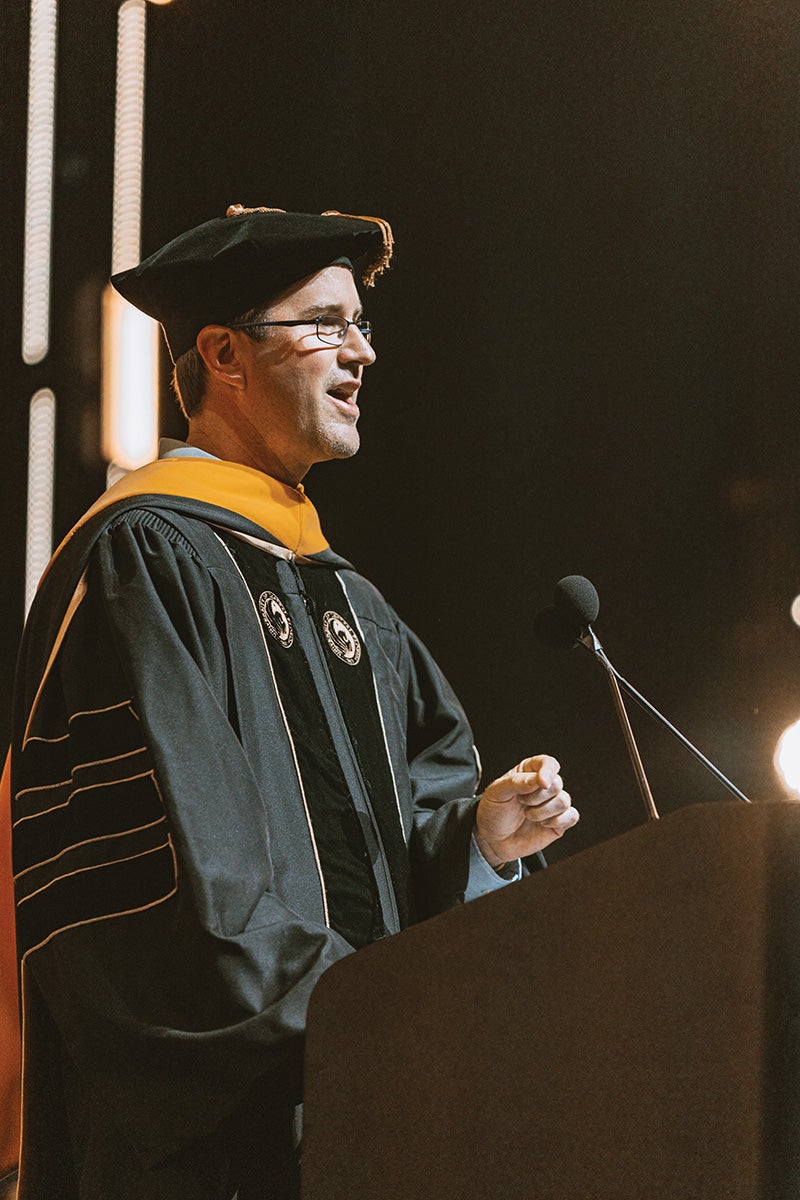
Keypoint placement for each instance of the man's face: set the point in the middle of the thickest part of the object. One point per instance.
(300, 405)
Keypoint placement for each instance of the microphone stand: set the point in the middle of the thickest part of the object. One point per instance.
(590, 641)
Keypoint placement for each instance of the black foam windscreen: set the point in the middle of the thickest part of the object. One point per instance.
(577, 599)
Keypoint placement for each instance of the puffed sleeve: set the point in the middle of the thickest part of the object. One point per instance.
(445, 773)
(176, 978)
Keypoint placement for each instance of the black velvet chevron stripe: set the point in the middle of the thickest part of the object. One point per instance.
(98, 811)
(116, 729)
(94, 841)
(142, 876)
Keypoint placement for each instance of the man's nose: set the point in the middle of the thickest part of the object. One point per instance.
(356, 348)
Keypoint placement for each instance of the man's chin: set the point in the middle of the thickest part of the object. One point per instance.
(344, 447)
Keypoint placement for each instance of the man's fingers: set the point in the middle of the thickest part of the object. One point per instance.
(563, 822)
(524, 783)
(544, 812)
(540, 764)
(559, 823)
(524, 786)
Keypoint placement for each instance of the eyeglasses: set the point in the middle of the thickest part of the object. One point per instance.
(330, 330)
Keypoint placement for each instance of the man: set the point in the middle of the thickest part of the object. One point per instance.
(233, 764)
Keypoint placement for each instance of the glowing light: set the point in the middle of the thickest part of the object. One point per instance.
(787, 758)
(128, 135)
(130, 383)
(41, 463)
(39, 182)
(796, 610)
(130, 339)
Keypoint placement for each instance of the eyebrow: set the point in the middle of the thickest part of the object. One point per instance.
(328, 310)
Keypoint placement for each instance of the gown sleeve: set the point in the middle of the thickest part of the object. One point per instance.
(180, 990)
(445, 773)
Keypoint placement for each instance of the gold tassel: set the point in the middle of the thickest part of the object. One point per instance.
(379, 262)
(238, 210)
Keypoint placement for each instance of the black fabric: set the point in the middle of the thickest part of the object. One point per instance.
(354, 684)
(352, 894)
(176, 1006)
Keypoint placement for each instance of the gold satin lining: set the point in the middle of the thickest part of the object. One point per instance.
(284, 511)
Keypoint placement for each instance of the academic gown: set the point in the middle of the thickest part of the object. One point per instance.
(232, 764)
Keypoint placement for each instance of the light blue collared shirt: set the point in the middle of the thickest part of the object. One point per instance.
(483, 878)
(170, 448)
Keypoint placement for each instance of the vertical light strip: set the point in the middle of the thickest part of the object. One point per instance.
(41, 469)
(39, 181)
(129, 135)
(130, 383)
(130, 339)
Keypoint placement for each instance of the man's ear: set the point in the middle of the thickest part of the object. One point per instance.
(219, 349)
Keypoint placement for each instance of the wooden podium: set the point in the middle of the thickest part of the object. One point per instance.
(625, 1024)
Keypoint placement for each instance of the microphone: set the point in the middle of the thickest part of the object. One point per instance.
(568, 622)
(577, 598)
(576, 608)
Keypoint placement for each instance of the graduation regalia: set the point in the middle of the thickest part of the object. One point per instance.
(232, 764)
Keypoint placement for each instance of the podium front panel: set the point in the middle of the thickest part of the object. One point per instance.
(623, 1024)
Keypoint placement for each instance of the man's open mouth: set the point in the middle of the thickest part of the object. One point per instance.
(345, 392)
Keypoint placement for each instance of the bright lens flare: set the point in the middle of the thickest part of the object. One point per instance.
(787, 758)
(130, 383)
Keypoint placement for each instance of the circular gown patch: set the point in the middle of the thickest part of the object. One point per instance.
(276, 618)
(341, 638)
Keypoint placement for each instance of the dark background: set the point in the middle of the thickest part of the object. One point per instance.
(587, 347)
